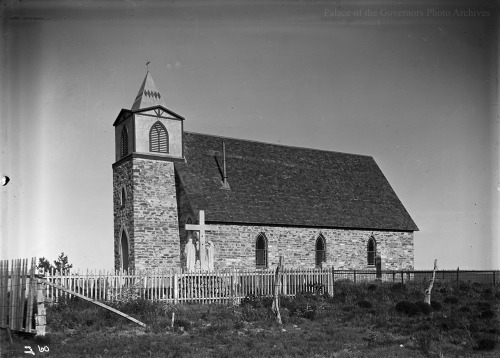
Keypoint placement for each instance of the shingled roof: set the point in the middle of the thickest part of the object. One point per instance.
(281, 185)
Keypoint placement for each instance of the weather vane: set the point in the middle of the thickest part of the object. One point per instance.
(147, 65)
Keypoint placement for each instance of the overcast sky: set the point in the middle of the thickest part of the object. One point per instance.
(414, 86)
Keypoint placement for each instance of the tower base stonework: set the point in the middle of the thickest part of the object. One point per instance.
(146, 213)
(156, 223)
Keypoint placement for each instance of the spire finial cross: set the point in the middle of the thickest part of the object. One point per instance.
(147, 65)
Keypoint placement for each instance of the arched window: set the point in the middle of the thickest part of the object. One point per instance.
(124, 142)
(124, 263)
(261, 251)
(372, 251)
(158, 138)
(320, 250)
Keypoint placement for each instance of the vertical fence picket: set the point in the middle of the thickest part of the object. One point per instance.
(14, 294)
(22, 296)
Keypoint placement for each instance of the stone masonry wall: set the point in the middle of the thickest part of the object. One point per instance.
(345, 249)
(185, 213)
(156, 230)
(123, 214)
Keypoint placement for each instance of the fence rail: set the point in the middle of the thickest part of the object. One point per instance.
(234, 285)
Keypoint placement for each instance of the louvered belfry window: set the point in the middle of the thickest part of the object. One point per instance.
(124, 142)
(158, 138)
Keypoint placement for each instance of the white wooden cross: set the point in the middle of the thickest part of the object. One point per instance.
(202, 227)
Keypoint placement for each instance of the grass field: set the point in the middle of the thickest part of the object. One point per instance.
(360, 320)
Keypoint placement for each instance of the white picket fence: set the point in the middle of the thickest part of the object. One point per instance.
(234, 285)
(176, 287)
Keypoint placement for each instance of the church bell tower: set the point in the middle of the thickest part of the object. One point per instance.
(148, 140)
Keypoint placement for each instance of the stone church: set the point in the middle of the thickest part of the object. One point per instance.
(261, 200)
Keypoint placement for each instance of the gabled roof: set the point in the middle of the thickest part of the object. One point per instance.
(148, 95)
(280, 185)
(157, 110)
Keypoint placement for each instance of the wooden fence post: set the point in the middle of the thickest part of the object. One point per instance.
(354, 276)
(427, 296)
(277, 282)
(31, 295)
(40, 318)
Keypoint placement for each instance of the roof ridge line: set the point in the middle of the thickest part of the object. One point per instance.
(278, 145)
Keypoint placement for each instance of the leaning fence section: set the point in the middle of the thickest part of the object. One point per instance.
(18, 289)
(233, 285)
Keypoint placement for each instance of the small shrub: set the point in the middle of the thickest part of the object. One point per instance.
(423, 307)
(465, 309)
(451, 300)
(487, 314)
(257, 301)
(371, 287)
(464, 286)
(238, 325)
(250, 314)
(180, 322)
(482, 306)
(398, 287)
(348, 308)
(365, 304)
(436, 305)
(408, 308)
(303, 310)
(486, 342)
(487, 292)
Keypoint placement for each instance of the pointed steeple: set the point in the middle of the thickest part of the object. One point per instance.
(148, 95)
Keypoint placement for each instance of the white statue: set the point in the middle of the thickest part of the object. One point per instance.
(190, 252)
(210, 255)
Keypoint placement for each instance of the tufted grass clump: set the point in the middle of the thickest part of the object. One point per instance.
(408, 308)
(486, 342)
(365, 304)
(423, 307)
(451, 300)
(436, 305)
